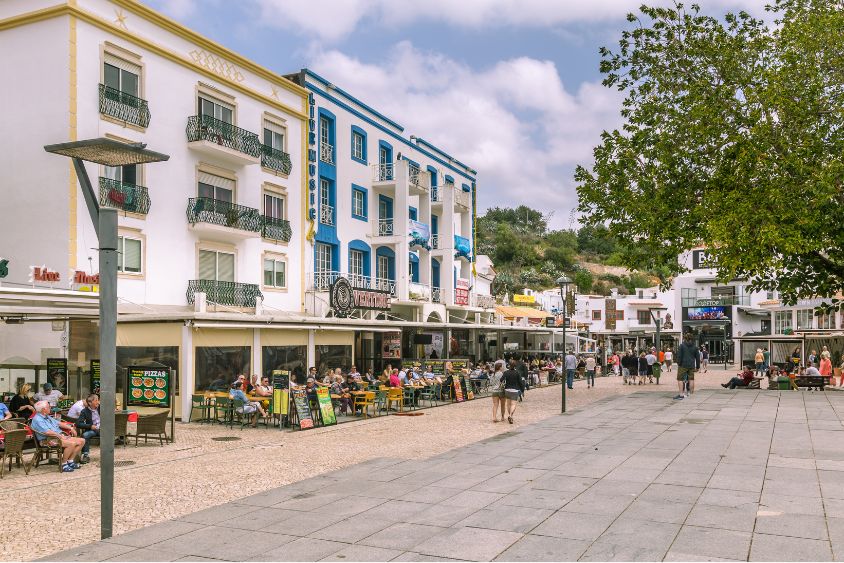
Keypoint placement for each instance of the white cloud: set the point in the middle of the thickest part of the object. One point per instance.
(332, 20)
(513, 122)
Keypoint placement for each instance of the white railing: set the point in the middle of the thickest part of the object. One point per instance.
(419, 292)
(382, 172)
(437, 194)
(326, 214)
(385, 227)
(419, 178)
(435, 241)
(326, 153)
(462, 198)
(321, 281)
(384, 284)
(483, 301)
(435, 295)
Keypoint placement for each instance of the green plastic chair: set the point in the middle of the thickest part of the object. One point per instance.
(225, 407)
(409, 397)
(430, 394)
(380, 401)
(198, 402)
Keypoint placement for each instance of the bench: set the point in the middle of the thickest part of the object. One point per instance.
(818, 381)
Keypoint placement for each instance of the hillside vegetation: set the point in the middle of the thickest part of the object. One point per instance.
(526, 253)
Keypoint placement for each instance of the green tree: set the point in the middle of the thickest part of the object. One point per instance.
(595, 239)
(732, 138)
(583, 279)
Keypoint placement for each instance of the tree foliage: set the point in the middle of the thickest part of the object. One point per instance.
(733, 138)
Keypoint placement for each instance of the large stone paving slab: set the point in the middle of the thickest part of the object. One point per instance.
(725, 475)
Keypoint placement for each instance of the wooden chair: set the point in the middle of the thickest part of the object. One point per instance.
(13, 449)
(395, 395)
(154, 425)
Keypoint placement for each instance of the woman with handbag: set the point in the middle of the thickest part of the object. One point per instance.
(513, 388)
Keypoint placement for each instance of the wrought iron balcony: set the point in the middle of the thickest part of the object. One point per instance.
(435, 295)
(224, 213)
(276, 229)
(384, 284)
(225, 293)
(326, 153)
(382, 172)
(275, 159)
(127, 197)
(207, 128)
(385, 227)
(124, 107)
(326, 214)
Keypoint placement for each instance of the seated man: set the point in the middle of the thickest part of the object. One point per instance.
(88, 422)
(742, 380)
(47, 427)
(76, 409)
(249, 408)
(50, 395)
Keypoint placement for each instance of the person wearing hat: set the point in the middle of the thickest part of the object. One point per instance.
(52, 396)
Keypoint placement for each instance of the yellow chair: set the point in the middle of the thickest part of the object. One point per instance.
(394, 395)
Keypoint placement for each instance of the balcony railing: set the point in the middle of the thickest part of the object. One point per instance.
(276, 229)
(125, 107)
(224, 213)
(462, 198)
(385, 227)
(127, 197)
(384, 284)
(419, 178)
(326, 153)
(435, 241)
(382, 172)
(419, 292)
(435, 295)
(275, 159)
(321, 281)
(483, 301)
(326, 214)
(207, 128)
(225, 293)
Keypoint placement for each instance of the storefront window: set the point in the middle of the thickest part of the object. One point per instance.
(333, 356)
(460, 345)
(218, 366)
(146, 356)
(290, 358)
(782, 321)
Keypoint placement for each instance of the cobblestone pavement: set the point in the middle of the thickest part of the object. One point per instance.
(724, 475)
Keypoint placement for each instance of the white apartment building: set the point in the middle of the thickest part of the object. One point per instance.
(215, 229)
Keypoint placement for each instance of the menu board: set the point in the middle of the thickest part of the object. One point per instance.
(326, 409)
(148, 387)
(95, 377)
(57, 373)
(281, 392)
(300, 402)
(437, 366)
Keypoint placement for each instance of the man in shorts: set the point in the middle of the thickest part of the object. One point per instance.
(688, 360)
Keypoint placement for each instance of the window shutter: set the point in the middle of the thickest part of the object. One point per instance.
(268, 272)
(207, 265)
(279, 274)
(122, 64)
(131, 255)
(217, 181)
(225, 267)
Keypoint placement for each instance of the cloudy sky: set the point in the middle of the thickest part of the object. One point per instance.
(510, 87)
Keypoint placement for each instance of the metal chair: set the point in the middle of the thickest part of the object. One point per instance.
(409, 397)
(199, 402)
(430, 394)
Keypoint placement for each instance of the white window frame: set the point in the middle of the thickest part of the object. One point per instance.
(121, 254)
(218, 107)
(323, 258)
(783, 320)
(804, 319)
(357, 145)
(826, 322)
(278, 135)
(282, 202)
(217, 253)
(276, 260)
(358, 207)
(357, 260)
(382, 268)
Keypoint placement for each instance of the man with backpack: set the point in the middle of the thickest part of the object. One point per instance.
(688, 360)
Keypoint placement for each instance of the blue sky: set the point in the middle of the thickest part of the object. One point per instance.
(510, 87)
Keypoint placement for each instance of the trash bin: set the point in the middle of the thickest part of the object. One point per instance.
(783, 384)
(657, 369)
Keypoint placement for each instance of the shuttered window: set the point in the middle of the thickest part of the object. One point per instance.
(214, 265)
(121, 75)
(215, 187)
(274, 273)
(130, 255)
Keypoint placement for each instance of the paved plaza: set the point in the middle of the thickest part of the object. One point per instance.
(725, 475)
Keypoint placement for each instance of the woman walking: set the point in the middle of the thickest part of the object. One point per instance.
(590, 372)
(513, 387)
(496, 387)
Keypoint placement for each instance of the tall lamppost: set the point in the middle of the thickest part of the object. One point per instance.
(658, 322)
(106, 152)
(564, 282)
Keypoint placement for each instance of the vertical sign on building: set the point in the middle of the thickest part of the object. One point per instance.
(461, 292)
(57, 373)
(610, 314)
(95, 377)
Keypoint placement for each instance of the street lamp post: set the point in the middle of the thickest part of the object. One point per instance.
(564, 281)
(106, 152)
(658, 322)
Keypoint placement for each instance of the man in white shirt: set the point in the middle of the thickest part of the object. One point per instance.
(50, 395)
(590, 371)
(571, 367)
(651, 359)
(76, 409)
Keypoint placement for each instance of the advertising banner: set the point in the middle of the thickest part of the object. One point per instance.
(420, 233)
(148, 387)
(519, 299)
(326, 409)
(57, 373)
(392, 345)
(461, 292)
(281, 391)
(437, 366)
(95, 377)
(707, 314)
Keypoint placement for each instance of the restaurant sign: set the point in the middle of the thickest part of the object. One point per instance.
(95, 377)
(43, 274)
(148, 386)
(303, 411)
(344, 298)
(326, 409)
(57, 374)
(524, 299)
(281, 391)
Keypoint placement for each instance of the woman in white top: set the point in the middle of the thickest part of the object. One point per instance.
(590, 371)
(669, 359)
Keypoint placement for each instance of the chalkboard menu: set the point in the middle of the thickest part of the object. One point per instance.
(95, 377)
(281, 392)
(437, 366)
(57, 373)
(148, 387)
(303, 411)
(326, 409)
